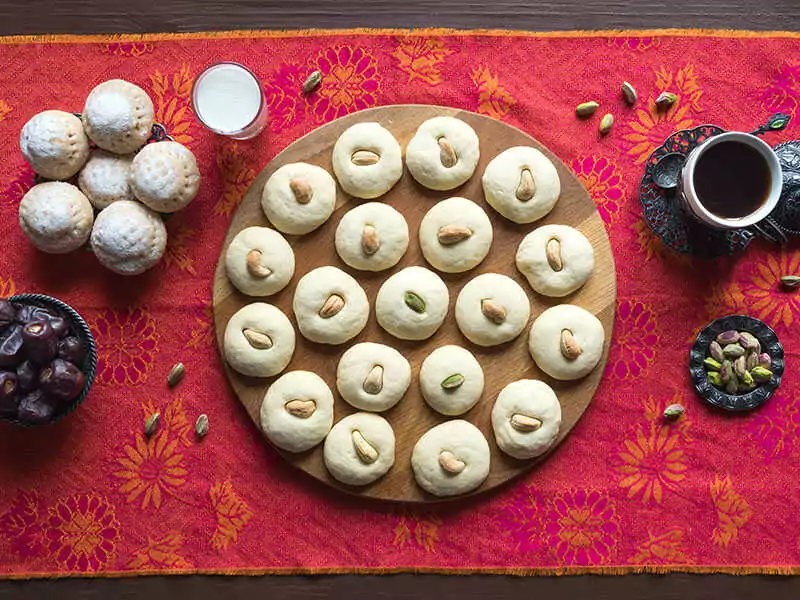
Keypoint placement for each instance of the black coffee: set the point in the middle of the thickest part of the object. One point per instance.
(732, 180)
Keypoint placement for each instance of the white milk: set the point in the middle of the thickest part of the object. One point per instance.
(227, 98)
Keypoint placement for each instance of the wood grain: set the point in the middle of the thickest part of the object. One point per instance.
(412, 417)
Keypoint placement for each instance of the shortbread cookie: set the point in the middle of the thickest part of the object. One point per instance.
(367, 160)
(298, 198)
(106, 178)
(259, 261)
(330, 306)
(372, 377)
(164, 176)
(443, 153)
(372, 237)
(412, 303)
(450, 459)
(451, 380)
(54, 144)
(526, 417)
(521, 184)
(455, 235)
(359, 449)
(492, 309)
(118, 116)
(56, 217)
(297, 411)
(259, 340)
(128, 238)
(555, 259)
(566, 341)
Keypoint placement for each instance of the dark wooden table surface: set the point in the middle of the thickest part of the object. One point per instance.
(118, 16)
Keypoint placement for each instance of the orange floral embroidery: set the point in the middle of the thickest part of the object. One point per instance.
(652, 126)
(151, 468)
(82, 531)
(237, 176)
(733, 511)
(232, 515)
(160, 553)
(134, 49)
(177, 252)
(654, 412)
(683, 83)
(173, 421)
(4, 109)
(172, 103)
(7, 287)
(127, 342)
(602, 180)
(350, 82)
(651, 462)
(419, 531)
(203, 330)
(757, 291)
(582, 527)
(634, 43)
(420, 57)
(637, 334)
(493, 99)
(664, 548)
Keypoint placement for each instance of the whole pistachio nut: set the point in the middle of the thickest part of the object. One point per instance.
(712, 365)
(665, 100)
(629, 93)
(733, 351)
(747, 379)
(714, 378)
(764, 360)
(732, 386)
(716, 351)
(728, 337)
(749, 342)
(726, 371)
(761, 375)
(750, 359)
(791, 281)
(586, 109)
(673, 411)
(740, 366)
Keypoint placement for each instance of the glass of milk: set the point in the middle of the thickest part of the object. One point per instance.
(228, 99)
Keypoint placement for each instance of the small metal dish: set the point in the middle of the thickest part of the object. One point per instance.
(699, 351)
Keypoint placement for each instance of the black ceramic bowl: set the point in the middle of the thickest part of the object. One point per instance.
(769, 344)
(79, 328)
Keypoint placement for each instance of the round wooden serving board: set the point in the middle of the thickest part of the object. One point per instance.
(412, 417)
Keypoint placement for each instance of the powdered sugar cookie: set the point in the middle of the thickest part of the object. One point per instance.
(451, 380)
(359, 449)
(106, 178)
(259, 261)
(56, 217)
(297, 411)
(521, 184)
(259, 340)
(526, 417)
(555, 259)
(372, 237)
(450, 459)
(54, 144)
(298, 198)
(118, 116)
(367, 160)
(128, 238)
(373, 377)
(164, 176)
(330, 306)
(492, 309)
(455, 235)
(443, 153)
(412, 303)
(566, 341)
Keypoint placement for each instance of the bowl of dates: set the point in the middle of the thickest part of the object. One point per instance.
(48, 359)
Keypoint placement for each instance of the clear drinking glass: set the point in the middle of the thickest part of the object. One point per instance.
(228, 99)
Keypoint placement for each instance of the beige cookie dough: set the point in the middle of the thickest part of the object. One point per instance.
(259, 340)
(521, 184)
(566, 341)
(298, 198)
(297, 411)
(555, 259)
(455, 235)
(492, 309)
(412, 304)
(367, 160)
(118, 116)
(106, 178)
(259, 261)
(443, 153)
(359, 449)
(128, 238)
(164, 176)
(330, 306)
(372, 237)
(56, 217)
(451, 380)
(54, 144)
(450, 459)
(526, 417)
(372, 376)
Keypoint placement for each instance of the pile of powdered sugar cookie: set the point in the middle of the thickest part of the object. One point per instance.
(331, 307)
(119, 183)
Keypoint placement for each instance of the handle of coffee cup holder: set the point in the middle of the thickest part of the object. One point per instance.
(771, 231)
